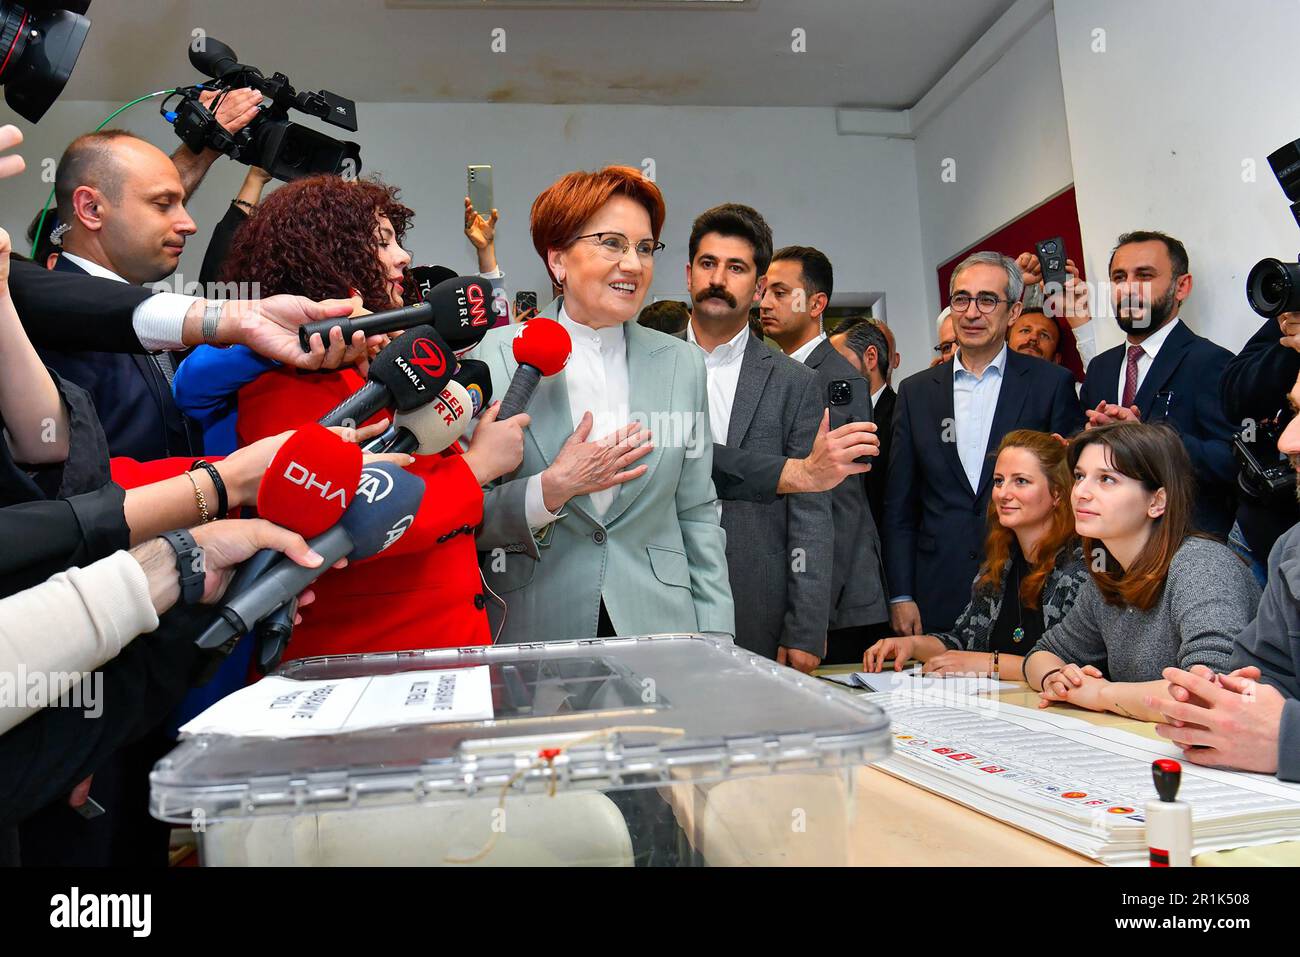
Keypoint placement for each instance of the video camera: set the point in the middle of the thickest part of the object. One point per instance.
(1273, 286)
(39, 45)
(286, 150)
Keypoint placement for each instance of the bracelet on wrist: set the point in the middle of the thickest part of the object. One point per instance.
(200, 500)
(223, 500)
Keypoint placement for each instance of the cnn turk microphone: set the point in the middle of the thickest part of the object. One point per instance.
(542, 347)
(381, 511)
(460, 309)
(433, 427)
(409, 372)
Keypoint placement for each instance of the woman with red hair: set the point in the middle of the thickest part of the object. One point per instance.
(601, 531)
(324, 232)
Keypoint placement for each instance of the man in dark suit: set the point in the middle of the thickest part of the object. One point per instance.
(1164, 372)
(122, 201)
(797, 290)
(868, 346)
(948, 422)
(778, 553)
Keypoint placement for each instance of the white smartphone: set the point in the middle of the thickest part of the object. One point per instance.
(479, 189)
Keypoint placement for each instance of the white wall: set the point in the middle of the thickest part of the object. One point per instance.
(1160, 125)
(853, 197)
(1007, 134)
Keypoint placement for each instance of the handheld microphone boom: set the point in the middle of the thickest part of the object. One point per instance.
(541, 347)
(386, 501)
(459, 308)
(410, 372)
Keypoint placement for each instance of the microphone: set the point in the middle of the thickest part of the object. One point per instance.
(426, 277)
(383, 508)
(433, 427)
(409, 372)
(308, 485)
(541, 347)
(459, 308)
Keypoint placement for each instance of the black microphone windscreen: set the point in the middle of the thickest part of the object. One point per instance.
(462, 310)
(414, 368)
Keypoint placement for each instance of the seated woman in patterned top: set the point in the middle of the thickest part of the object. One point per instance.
(1032, 571)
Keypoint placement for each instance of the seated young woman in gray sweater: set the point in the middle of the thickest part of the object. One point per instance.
(1032, 571)
(1159, 593)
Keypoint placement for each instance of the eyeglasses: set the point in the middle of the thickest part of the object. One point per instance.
(614, 246)
(986, 302)
(946, 346)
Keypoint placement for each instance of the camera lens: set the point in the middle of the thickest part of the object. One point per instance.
(1273, 287)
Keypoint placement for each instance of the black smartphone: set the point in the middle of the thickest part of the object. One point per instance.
(524, 300)
(840, 392)
(1051, 257)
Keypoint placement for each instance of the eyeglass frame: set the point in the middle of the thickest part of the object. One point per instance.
(657, 248)
(959, 310)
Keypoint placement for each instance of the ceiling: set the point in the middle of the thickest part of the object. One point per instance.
(861, 53)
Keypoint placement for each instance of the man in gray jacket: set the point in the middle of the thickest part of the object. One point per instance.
(1249, 719)
(779, 553)
(797, 291)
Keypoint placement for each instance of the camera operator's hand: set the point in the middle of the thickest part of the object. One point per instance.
(270, 328)
(10, 136)
(237, 108)
(1289, 323)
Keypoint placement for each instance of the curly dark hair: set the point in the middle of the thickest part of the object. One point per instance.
(315, 237)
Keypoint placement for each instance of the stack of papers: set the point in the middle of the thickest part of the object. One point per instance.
(1073, 783)
(284, 708)
(891, 680)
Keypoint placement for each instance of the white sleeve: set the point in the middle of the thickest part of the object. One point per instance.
(1086, 338)
(64, 627)
(160, 319)
(535, 511)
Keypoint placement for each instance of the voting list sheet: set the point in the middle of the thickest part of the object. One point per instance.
(1074, 783)
(283, 708)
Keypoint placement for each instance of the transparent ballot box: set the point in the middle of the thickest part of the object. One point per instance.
(656, 751)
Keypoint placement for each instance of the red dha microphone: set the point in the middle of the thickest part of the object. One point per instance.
(542, 347)
(310, 482)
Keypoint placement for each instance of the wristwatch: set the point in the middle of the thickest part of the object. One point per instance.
(189, 564)
(211, 319)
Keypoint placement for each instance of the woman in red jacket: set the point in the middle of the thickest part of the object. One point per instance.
(326, 233)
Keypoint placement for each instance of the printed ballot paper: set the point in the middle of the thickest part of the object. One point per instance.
(914, 680)
(283, 708)
(1074, 783)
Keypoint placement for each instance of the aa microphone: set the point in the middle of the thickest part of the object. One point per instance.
(460, 309)
(410, 372)
(381, 511)
(541, 347)
(433, 427)
(306, 489)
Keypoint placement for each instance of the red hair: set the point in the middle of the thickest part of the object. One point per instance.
(1051, 456)
(316, 237)
(562, 208)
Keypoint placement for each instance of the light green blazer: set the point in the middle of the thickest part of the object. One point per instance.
(658, 558)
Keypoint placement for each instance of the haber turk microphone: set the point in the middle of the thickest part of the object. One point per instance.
(433, 427)
(379, 513)
(460, 309)
(410, 372)
(541, 347)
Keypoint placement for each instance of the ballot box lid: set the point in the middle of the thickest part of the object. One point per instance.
(599, 714)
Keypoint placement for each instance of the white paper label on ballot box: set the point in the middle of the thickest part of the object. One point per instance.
(284, 708)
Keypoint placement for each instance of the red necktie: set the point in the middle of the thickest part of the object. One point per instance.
(1131, 376)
